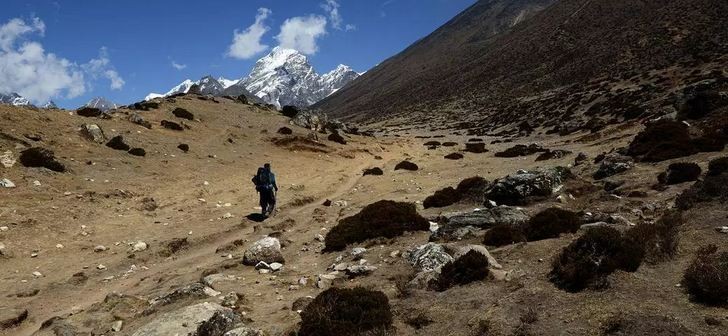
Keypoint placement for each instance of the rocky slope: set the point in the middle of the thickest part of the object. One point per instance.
(500, 58)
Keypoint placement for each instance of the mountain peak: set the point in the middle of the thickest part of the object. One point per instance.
(102, 104)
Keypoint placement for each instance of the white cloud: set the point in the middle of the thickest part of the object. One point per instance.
(31, 72)
(178, 66)
(332, 9)
(300, 33)
(247, 44)
(101, 67)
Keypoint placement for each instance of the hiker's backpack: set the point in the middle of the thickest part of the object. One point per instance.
(262, 179)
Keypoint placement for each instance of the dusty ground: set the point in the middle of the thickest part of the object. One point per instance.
(102, 204)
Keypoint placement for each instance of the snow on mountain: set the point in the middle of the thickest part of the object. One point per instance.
(226, 83)
(153, 95)
(283, 77)
(13, 99)
(102, 104)
(49, 105)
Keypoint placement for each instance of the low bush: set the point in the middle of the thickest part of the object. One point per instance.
(138, 152)
(171, 125)
(41, 157)
(587, 261)
(183, 113)
(502, 235)
(624, 324)
(442, 198)
(432, 143)
(344, 311)
(476, 148)
(472, 266)
(336, 137)
(406, 165)
(706, 278)
(454, 156)
(662, 140)
(89, 112)
(289, 111)
(376, 171)
(659, 240)
(680, 172)
(285, 131)
(184, 147)
(520, 150)
(551, 223)
(714, 188)
(449, 144)
(386, 219)
(472, 189)
(718, 166)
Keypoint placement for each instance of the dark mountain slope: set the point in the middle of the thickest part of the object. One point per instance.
(467, 70)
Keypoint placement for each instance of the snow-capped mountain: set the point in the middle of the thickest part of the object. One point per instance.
(13, 99)
(49, 105)
(283, 77)
(102, 104)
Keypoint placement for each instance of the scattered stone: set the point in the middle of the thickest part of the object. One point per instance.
(7, 160)
(267, 250)
(480, 249)
(139, 246)
(613, 164)
(5, 183)
(37, 274)
(93, 133)
(117, 325)
(100, 248)
(195, 290)
(275, 267)
(230, 300)
(101, 267)
(552, 154)
(722, 229)
(358, 252)
(429, 257)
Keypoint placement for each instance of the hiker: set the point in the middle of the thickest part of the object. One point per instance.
(265, 184)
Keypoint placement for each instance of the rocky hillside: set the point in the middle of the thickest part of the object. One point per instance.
(501, 58)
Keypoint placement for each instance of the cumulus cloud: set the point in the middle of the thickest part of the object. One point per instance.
(27, 69)
(300, 33)
(247, 43)
(332, 10)
(178, 66)
(101, 67)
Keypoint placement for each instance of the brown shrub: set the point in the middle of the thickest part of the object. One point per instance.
(472, 266)
(706, 279)
(551, 223)
(660, 240)
(454, 156)
(386, 219)
(718, 166)
(712, 188)
(662, 140)
(442, 198)
(41, 157)
(640, 324)
(406, 165)
(587, 261)
(502, 235)
(344, 311)
(680, 172)
(520, 150)
(376, 171)
(183, 113)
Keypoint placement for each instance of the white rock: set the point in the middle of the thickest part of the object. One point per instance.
(100, 248)
(60, 246)
(139, 246)
(100, 267)
(227, 215)
(722, 229)
(116, 326)
(276, 266)
(36, 183)
(37, 274)
(5, 183)
(320, 237)
(7, 160)
(358, 251)
(4, 228)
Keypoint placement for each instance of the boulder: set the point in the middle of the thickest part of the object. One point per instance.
(267, 250)
(5, 183)
(93, 133)
(194, 290)
(429, 257)
(613, 164)
(118, 143)
(461, 225)
(137, 119)
(520, 150)
(244, 331)
(197, 320)
(518, 188)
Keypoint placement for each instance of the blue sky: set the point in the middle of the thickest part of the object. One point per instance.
(123, 50)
